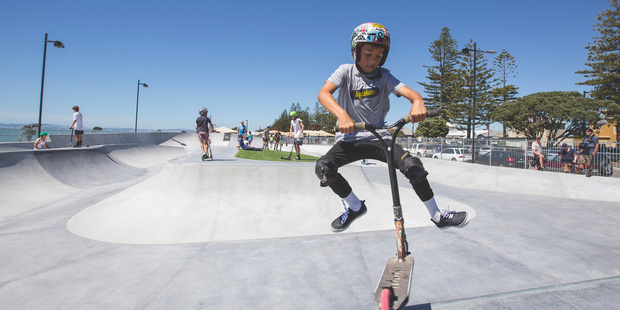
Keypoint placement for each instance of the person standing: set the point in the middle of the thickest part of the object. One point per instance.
(241, 130)
(266, 138)
(588, 147)
(296, 131)
(77, 126)
(203, 123)
(276, 139)
(538, 155)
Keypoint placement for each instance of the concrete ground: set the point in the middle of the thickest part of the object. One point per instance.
(143, 223)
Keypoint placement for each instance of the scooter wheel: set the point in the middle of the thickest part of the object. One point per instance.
(386, 299)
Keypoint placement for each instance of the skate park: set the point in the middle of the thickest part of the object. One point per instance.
(138, 221)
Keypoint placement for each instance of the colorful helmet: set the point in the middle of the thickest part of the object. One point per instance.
(43, 133)
(370, 33)
(203, 111)
(293, 113)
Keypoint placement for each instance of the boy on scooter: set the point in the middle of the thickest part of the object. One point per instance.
(364, 97)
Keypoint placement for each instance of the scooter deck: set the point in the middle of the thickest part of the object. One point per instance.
(397, 277)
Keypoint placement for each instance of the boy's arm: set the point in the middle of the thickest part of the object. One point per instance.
(326, 98)
(71, 127)
(418, 110)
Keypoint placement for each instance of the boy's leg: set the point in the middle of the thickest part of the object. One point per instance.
(413, 169)
(298, 143)
(326, 170)
(78, 137)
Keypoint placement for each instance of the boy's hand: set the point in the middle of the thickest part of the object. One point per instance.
(346, 124)
(417, 113)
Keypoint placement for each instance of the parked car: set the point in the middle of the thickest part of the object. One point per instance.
(502, 159)
(454, 154)
(601, 166)
(424, 149)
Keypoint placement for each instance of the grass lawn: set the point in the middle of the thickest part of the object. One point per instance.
(270, 155)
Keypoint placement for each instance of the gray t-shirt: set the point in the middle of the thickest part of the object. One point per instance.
(365, 98)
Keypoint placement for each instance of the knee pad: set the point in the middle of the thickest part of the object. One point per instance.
(325, 171)
(412, 168)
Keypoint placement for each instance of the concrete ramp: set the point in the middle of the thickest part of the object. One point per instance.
(26, 185)
(60, 141)
(521, 181)
(202, 203)
(85, 167)
(143, 156)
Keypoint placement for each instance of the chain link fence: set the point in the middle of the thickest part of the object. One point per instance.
(514, 153)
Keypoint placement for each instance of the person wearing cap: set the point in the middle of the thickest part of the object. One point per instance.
(588, 147)
(41, 141)
(567, 154)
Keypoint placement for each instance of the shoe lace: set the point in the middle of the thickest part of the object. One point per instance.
(447, 213)
(345, 215)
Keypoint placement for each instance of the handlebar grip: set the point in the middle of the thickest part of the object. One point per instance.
(432, 113)
(360, 125)
(429, 114)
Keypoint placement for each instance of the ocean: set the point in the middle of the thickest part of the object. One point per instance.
(15, 135)
(18, 135)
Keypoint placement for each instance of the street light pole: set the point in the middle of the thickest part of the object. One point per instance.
(473, 110)
(137, 101)
(57, 44)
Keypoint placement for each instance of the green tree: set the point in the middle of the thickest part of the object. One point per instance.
(282, 123)
(485, 83)
(444, 84)
(551, 111)
(505, 68)
(604, 59)
(321, 119)
(435, 127)
(97, 128)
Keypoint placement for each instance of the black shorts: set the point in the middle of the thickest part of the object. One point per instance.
(79, 132)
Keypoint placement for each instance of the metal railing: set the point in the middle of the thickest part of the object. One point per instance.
(517, 153)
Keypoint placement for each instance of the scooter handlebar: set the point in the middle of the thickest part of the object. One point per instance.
(406, 119)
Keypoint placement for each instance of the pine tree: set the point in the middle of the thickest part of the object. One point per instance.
(505, 68)
(485, 83)
(322, 119)
(443, 79)
(604, 60)
(604, 56)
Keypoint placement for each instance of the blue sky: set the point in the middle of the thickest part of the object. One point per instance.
(250, 60)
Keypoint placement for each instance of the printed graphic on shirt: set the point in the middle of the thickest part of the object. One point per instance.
(365, 93)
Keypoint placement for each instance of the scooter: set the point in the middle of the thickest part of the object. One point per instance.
(392, 291)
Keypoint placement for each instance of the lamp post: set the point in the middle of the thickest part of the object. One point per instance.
(57, 44)
(473, 110)
(137, 101)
